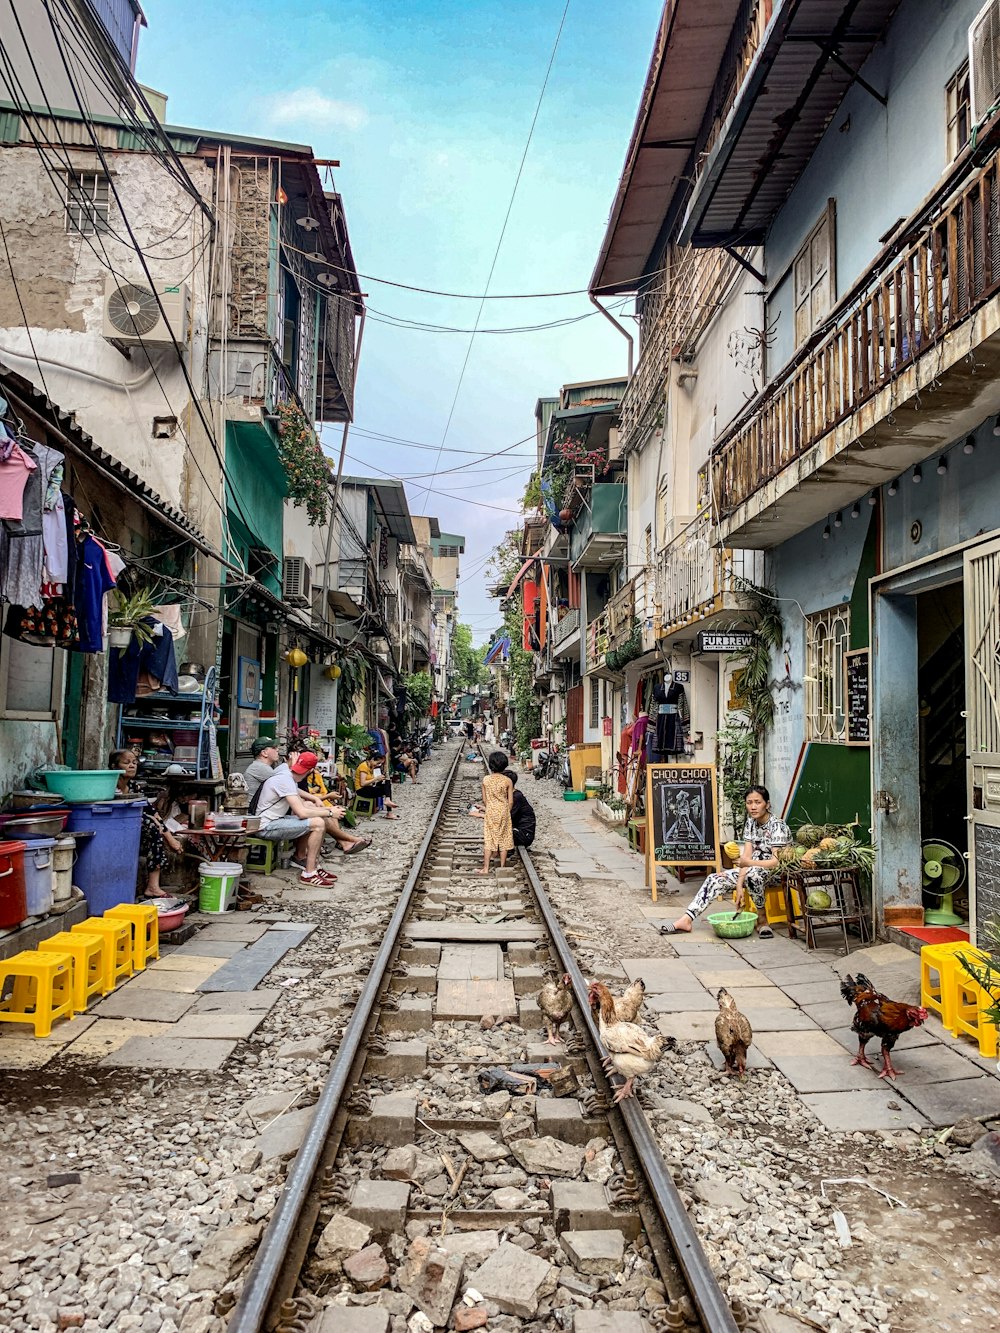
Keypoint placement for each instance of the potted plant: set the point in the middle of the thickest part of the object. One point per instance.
(132, 616)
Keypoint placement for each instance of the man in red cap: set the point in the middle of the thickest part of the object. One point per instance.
(301, 765)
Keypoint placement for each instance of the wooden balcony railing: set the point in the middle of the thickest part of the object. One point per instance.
(621, 614)
(597, 640)
(695, 578)
(945, 274)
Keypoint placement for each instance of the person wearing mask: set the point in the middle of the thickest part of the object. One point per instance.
(370, 780)
(265, 756)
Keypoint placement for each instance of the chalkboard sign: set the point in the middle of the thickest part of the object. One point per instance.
(857, 697)
(682, 819)
(987, 876)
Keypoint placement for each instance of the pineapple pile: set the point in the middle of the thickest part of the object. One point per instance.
(825, 846)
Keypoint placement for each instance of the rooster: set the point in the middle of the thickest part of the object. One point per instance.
(555, 1000)
(630, 1002)
(733, 1034)
(630, 1051)
(878, 1016)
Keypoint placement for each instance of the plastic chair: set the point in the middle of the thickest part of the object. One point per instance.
(43, 989)
(118, 957)
(145, 921)
(937, 978)
(262, 854)
(89, 969)
(363, 805)
(970, 1015)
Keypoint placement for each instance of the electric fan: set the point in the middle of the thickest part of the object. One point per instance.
(943, 874)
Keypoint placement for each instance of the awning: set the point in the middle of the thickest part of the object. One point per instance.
(521, 573)
(500, 652)
(811, 53)
(391, 498)
(343, 604)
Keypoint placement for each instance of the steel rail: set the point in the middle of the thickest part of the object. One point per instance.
(706, 1295)
(251, 1310)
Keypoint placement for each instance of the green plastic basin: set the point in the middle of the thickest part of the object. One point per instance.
(75, 784)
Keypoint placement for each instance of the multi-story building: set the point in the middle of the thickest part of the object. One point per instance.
(808, 220)
(447, 549)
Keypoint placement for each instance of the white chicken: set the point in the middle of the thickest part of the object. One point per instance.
(631, 1052)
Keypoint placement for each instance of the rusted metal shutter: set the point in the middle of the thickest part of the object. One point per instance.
(574, 715)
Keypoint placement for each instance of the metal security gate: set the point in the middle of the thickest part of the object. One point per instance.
(982, 700)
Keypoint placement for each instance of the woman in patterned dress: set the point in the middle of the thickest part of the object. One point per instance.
(763, 834)
(498, 798)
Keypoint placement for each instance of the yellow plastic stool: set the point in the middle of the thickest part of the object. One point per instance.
(118, 955)
(939, 960)
(970, 1016)
(145, 921)
(43, 989)
(775, 908)
(89, 970)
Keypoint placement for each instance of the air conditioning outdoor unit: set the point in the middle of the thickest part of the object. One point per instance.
(133, 315)
(984, 61)
(296, 583)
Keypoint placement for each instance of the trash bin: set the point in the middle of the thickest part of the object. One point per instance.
(12, 908)
(107, 864)
(38, 876)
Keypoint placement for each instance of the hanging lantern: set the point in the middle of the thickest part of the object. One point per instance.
(332, 672)
(296, 657)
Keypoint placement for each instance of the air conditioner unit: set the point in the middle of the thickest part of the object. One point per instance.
(133, 314)
(984, 61)
(296, 583)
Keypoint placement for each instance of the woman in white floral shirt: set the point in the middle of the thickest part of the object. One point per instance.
(763, 834)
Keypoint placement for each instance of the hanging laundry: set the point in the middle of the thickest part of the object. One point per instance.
(22, 553)
(93, 582)
(129, 668)
(55, 541)
(14, 472)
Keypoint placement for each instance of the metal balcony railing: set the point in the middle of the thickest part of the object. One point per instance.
(949, 270)
(562, 630)
(695, 578)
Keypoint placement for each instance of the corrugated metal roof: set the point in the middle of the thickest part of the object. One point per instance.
(391, 498)
(789, 96)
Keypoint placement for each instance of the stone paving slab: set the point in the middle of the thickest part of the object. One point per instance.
(467, 1000)
(713, 976)
(944, 1103)
(21, 1049)
(242, 931)
(764, 1019)
(246, 970)
(168, 980)
(229, 1026)
(813, 1042)
(470, 962)
(664, 909)
(188, 963)
(917, 1037)
(689, 1026)
(462, 931)
(813, 992)
(829, 1015)
(823, 1073)
(660, 974)
(893, 970)
(237, 1002)
(202, 948)
(155, 1006)
(108, 1034)
(761, 997)
(181, 1053)
(848, 1111)
(926, 1064)
(800, 974)
(682, 1002)
(769, 953)
(699, 946)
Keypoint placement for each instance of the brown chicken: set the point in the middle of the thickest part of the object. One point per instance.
(878, 1016)
(631, 1052)
(555, 1000)
(629, 1004)
(733, 1034)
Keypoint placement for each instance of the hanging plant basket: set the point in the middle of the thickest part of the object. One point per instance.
(119, 636)
(307, 471)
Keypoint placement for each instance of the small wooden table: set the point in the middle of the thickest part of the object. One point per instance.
(213, 844)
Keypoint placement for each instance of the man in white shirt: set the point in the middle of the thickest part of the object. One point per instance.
(288, 813)
(265, 756)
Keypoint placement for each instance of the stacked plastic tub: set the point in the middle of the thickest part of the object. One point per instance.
(12, 902)
(38, 876)
(107, 863)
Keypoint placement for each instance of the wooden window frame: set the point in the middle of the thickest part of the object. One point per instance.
(828, 221)
(56, 685)
(958, 111)
(828, 640)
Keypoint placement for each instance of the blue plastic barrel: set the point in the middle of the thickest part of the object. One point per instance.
(107, 864)
(38, 875)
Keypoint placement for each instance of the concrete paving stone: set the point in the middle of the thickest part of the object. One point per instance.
(170, 962)
(351, 1319)
(699, 946)
(380, 1204)
(470, 962)
(690, 1002)
(812, 992)
(799, 974)
(157, 1006)
(580, 1206)
(812, 1042)
(186, 983)
(770, 1019)
(828, 1015)
(848, 1111)
(597, 1253)
(735, 973)
(927, 1064)
(21, 1049)
(239, 930)
(468, 1000)
(824, 1073)
(891, 968)
(916, 1037)
(230, 1026)
(761, 997)
(664, 909)
(660, 974)
(237, 1002)
(769, 953)
(167, 1052)
(945, 1103)
(246, 970)
(202, 948)
(755, 1057)
(108, 1034)
(688, 1026)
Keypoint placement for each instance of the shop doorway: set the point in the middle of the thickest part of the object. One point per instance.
(942, 733)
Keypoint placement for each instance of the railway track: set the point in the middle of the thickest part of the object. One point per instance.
(409, 1150)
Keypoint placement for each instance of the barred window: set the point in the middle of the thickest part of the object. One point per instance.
(595, 702)
(87, 202)
(827, 640)
(958, 111)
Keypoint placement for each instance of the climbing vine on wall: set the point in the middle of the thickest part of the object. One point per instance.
(306, 468)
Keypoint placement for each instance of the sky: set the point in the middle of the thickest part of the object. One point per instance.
(428, 107)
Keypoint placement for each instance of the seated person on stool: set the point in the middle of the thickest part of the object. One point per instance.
(404, 762)
(156, 840)
(303, 766)
(370, 781)
(763, 834)
(286, 812)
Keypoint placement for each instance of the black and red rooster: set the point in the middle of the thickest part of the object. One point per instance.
(878, 1016)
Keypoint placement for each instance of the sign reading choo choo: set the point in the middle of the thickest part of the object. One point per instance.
(682, 821)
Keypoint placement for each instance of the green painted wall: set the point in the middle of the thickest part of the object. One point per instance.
(255, 494)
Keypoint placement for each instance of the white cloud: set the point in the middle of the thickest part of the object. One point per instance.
(308, 106)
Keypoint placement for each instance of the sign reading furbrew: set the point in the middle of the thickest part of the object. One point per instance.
(682, 821)
(724, 641)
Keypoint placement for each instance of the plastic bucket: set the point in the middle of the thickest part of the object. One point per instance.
(38, 876)
(218, 885)
(63, 856)
(107, 865)
(12, 908)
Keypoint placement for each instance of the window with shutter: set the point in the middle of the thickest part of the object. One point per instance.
(814, 277)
